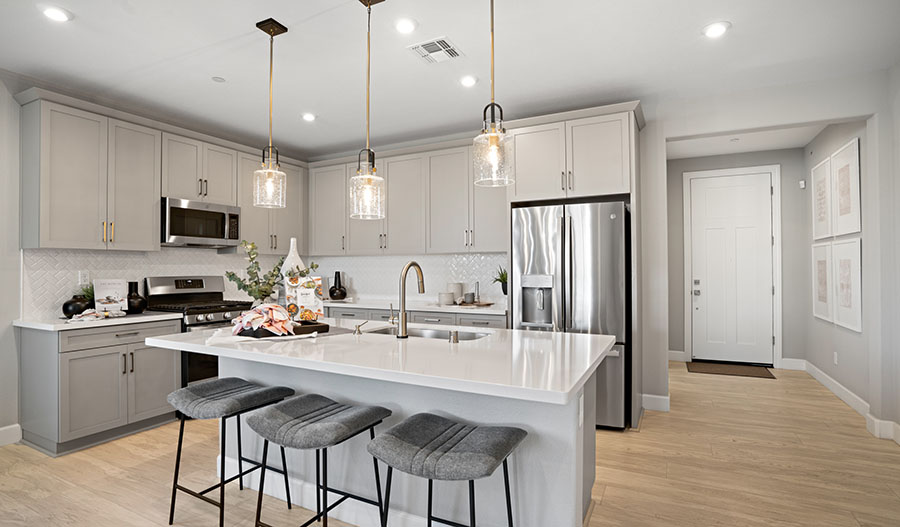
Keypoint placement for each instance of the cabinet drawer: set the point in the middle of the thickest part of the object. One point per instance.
(381, 315)
(79, 339)
(448, 319)
(482, 321)
(334, 312)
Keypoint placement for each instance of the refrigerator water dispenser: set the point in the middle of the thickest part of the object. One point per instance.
(537, 301)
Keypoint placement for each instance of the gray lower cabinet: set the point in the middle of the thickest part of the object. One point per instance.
(83, 386)
(482, 321)
(420, 317)
(424, 317)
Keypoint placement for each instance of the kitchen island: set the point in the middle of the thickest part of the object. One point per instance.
(539, 381)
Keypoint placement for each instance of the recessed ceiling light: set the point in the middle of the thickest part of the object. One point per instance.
(57, 14)
(406, 25)
(468, 81)
(218, 79)
(309, 117)
(716, 29)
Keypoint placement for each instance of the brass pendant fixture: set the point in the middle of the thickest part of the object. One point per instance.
(367, 192)
(494, 149)
(269, 182)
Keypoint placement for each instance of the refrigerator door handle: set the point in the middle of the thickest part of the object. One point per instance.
(571, 288)
(560, 308)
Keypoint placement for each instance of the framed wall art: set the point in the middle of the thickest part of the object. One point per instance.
(845, 205)
(821, 196)
(846, 262)
(823, 283)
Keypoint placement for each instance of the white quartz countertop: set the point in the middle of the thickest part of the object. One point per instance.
(528, 365)
(62, 324)
(498, 308)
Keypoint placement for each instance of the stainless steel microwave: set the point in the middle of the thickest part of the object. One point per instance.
(191, 223)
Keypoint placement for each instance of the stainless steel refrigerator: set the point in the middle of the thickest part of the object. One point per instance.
(570, 272)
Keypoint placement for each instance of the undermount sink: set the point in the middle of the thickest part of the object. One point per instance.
(431, 333)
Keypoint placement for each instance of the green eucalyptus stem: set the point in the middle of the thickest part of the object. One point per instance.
(258, 287)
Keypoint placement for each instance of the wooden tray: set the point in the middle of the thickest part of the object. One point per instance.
(476, 304)
(303, 327)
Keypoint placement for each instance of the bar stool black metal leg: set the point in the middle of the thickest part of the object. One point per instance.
(262, 482)
(324, 487)
(377, 475)
(222, 478)
(318, 486)
(471, 503)
(508, 500)
(430, 489)
(177, 466)
(387, 497)
(287, 485)
(240, 455)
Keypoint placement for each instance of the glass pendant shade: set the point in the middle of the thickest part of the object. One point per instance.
(269, 184)
(494, 155)
(367, 194)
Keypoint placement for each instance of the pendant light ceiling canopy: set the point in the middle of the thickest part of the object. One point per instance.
(494, 150)
(367, 193)
(269, 182)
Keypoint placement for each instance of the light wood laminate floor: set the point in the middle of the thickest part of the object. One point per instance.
(733, 451)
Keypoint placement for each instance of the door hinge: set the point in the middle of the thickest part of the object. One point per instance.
(773, 290)
(773, 340)
(773, 240)
(771, 191)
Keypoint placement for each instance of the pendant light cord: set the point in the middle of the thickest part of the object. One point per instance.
(368, 64)
(271, 54)
(492, 51)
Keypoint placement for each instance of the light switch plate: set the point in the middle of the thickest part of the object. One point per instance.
(802, 183)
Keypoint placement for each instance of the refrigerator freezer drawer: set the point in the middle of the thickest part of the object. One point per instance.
(611, 390)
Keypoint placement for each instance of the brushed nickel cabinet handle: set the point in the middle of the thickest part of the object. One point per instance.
(385, 241)
(471, 237)
(571, 180)
(275, 236)
(562, 180)
(431, 319)
(132, 362)
(129, 334)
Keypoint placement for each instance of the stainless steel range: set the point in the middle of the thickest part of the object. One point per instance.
(202, 301)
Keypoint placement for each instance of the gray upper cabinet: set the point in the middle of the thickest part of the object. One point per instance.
(182, 167)
(363, 237)
(540, 162)
(328, 210)
(272, 229)
(64, 177)
(134, 177)
(219, 175)
(404, 226)
(255, 221)
(93, 390)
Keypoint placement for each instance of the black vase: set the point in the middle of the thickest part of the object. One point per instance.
(337, 291)
(503, 287)
(76, 305)
(136, 303)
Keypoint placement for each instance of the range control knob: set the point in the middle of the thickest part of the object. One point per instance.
(227, 315)
(201, 318)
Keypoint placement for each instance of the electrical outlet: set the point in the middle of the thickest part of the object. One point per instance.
(835, 358)
(84, 277)
(802, 183)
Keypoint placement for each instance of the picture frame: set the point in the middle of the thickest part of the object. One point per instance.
(820, 177)
(846, 259)
(822, 282)
(845, 200)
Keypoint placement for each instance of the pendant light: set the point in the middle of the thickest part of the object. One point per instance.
(494, 149)
(269, 181)
(367, 192)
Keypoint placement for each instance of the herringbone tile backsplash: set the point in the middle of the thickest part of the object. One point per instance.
(50, 276)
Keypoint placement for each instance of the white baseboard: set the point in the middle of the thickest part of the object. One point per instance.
(793, 364)
(659, 403)
(678, 356)
(10, 434)
(853, 401)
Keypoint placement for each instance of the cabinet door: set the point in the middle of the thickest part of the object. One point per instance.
(405, 224)
(135, 168)
(182, 164)
(489, 231)
(93, 391)
(255, 226)
(327, 210)
(448, 201)
(73, 178)
(599, 155)
(287, 222)
(363, 236)
(219, 175)
(540, 162)
(153, 373)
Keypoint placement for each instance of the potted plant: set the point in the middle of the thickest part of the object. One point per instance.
(502, 279)
(260, 288)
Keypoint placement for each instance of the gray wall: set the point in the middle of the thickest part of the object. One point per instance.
(9, 256)
(794, 231)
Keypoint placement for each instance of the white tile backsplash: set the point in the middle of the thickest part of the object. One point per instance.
(50, 276)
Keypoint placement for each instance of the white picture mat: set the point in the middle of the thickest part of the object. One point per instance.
(847, 273)
(845, 205)
(822, 281)
(820, 176)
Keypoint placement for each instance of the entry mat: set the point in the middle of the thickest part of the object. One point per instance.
(740, 370)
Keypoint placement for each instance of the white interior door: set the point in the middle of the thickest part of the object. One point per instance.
(732, 277)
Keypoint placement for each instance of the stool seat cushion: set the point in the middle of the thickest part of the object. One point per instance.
(219, 398)
(312, 421)
(434, 447)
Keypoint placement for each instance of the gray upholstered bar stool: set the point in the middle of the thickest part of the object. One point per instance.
(437, 448)
(314, 422)
(221, 399)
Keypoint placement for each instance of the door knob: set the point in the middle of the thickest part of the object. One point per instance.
(696, 292)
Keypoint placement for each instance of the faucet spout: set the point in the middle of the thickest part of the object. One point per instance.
(402, 331)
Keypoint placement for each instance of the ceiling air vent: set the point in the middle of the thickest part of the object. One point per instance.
(437, 50)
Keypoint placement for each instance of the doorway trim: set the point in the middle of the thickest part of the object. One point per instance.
(775, 171)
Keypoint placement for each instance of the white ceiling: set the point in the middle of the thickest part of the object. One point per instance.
(740, 142)
(157, 57)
